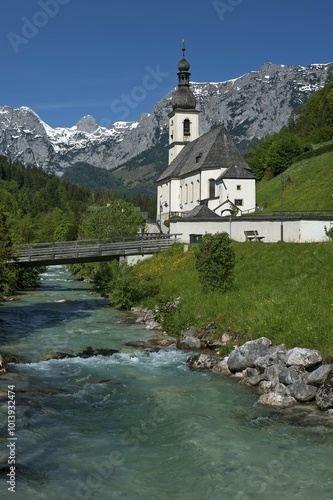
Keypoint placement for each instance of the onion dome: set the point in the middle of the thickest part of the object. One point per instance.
(183, 98)
(183, 64)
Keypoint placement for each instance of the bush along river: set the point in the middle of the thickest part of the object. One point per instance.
(119, 422)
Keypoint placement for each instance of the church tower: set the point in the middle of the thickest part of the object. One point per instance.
(184, 118)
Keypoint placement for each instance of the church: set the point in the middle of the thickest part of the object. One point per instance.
(205, 172)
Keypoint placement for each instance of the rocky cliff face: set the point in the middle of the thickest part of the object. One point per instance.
(251, 107)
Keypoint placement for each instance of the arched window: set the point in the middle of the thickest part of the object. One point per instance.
(187, 127)
(211, 188)
(186, 193)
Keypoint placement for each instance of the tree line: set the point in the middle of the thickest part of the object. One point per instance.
(38, 207)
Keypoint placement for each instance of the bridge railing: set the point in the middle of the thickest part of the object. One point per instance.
(80, 249)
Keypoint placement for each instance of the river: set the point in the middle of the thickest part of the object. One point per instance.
(136, 425)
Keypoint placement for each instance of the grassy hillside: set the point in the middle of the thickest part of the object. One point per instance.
(310, 188)
(282, 291)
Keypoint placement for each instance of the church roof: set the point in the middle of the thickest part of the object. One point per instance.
(213, 150)
(201, 212)
(236, 172)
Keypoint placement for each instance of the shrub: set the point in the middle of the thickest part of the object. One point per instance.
(128, 289)
(329, 233)
(215, 262)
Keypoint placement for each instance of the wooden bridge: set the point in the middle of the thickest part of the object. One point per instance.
(71, 252)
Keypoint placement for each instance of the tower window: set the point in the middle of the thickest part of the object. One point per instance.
(187, 130)
(238, 187)
(239, 203)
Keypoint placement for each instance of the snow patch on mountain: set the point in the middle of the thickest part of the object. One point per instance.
(251, 106)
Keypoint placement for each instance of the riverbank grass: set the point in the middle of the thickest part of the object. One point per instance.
(281, 290)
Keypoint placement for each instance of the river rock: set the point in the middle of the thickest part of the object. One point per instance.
(272, 373)
(320, 375)
(140, 320)
(280, 397)
(153, 325)
(139, 344)
(292, 375)
(161, 342)
(3, 364)
(60, 355)
(276, 355)
(303, 357)
(254, 380)
(247, 354)
(187, 340)
(202, 361)
(265, 386)
(276, 400)
(250, 372)
(324, 395)
(208, 336)
(90, 352)
(5, 359)
(303, 392)
(209, 330)
(222, 367)
(150, 320)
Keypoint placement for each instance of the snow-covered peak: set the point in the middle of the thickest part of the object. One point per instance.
(87, 124)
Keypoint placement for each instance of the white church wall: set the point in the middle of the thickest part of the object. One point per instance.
(294, 231)
(242, 193)
(206, 175)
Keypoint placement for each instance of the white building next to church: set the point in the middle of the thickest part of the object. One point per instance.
(203, 171)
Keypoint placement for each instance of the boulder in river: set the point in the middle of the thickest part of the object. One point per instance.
(276, 355)
(292, 375)
(246, 355)
(320, 375)
(90, 352)
(87, 353)
(5, 359)
(276, 400)
(303, 357)
(60, 355)
(187, 340)
(303, 392)
(203, 361)
(324, 395)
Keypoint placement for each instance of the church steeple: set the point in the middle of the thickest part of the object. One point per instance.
(183, 97)
(184, 118)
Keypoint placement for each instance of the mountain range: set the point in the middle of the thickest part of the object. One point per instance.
(251, 107)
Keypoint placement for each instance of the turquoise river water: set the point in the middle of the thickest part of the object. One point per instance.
(137, 425)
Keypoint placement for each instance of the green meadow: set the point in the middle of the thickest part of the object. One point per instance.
(281, 290)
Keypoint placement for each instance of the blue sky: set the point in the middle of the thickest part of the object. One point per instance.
(114, 59)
